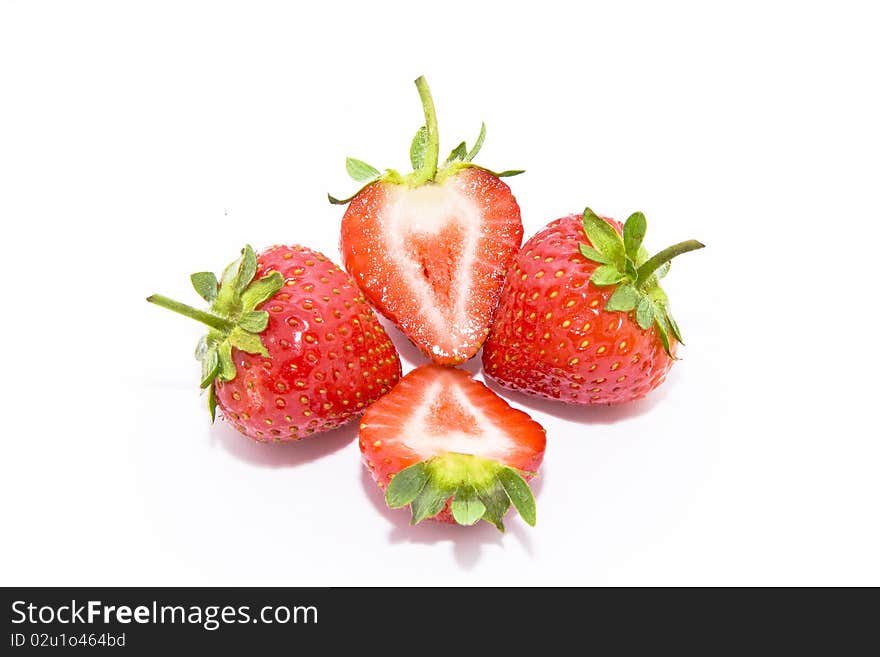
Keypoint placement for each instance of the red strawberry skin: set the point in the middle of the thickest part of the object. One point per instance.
(551, 336)
(389, 442)
(436, 273)
(329, 358)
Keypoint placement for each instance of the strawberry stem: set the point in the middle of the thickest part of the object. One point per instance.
(210, 319)
(432, 148)
(654, 263)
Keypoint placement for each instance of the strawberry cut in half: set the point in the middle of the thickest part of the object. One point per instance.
(583, 318)
(430, 249)
(452, 449)
(292, 348)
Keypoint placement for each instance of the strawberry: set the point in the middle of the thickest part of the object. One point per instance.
(293, 348)
(430, 249)
(583, 318)
(451, 449)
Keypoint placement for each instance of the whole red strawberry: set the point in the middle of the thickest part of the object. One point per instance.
(582, 318)
(293, 348)
(451, 449)
(430, 249)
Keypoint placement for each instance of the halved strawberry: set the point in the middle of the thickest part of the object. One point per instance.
(452, 449)
(430, 249)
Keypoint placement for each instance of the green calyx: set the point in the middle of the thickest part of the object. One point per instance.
(232, 318)
(625, 264)
(481, 489)
(424, 155)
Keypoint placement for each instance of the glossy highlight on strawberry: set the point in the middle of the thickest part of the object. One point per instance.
(293, 347)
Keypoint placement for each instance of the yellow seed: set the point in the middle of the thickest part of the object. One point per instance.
(540, 274)
(268, 421)
(534, 296)
(601, 350)
(566, 323)
(304, 400)
(600, 380)
(593, 367)
(574, 361)
(623, 344)
(621, 379)
(553, 294)
(548, 315)
(594, 303)
(614, 366)
(548, 259)
(378, 443)
(584, 344)
(559, 273)
(546, 336)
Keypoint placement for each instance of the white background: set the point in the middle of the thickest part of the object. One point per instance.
(142, 141)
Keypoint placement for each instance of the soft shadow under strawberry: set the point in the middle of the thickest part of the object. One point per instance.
(282, 455)
(467, 541)
(580, 414)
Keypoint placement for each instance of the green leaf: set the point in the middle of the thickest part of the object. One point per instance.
(261, 290)
(417, 148)
(406, 485)
(341, 201)
(360, 171)
(519, 493)
(227, 366)
(604, 238)
(466, 508)
(663, 269)
(248, 342)
(606, 275)
(624, 299)
(477, 145)
(662, 329)
(212, 403)
(496, 502)
(508, 174)
(592, 254)
(202, 348)
(246, 269)
(205, 283)
(630, 269)
(429, 502)
(458, 153)
(255, 321)
(674, 326)
(645, 313)
(210, 367)
(633, 233)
